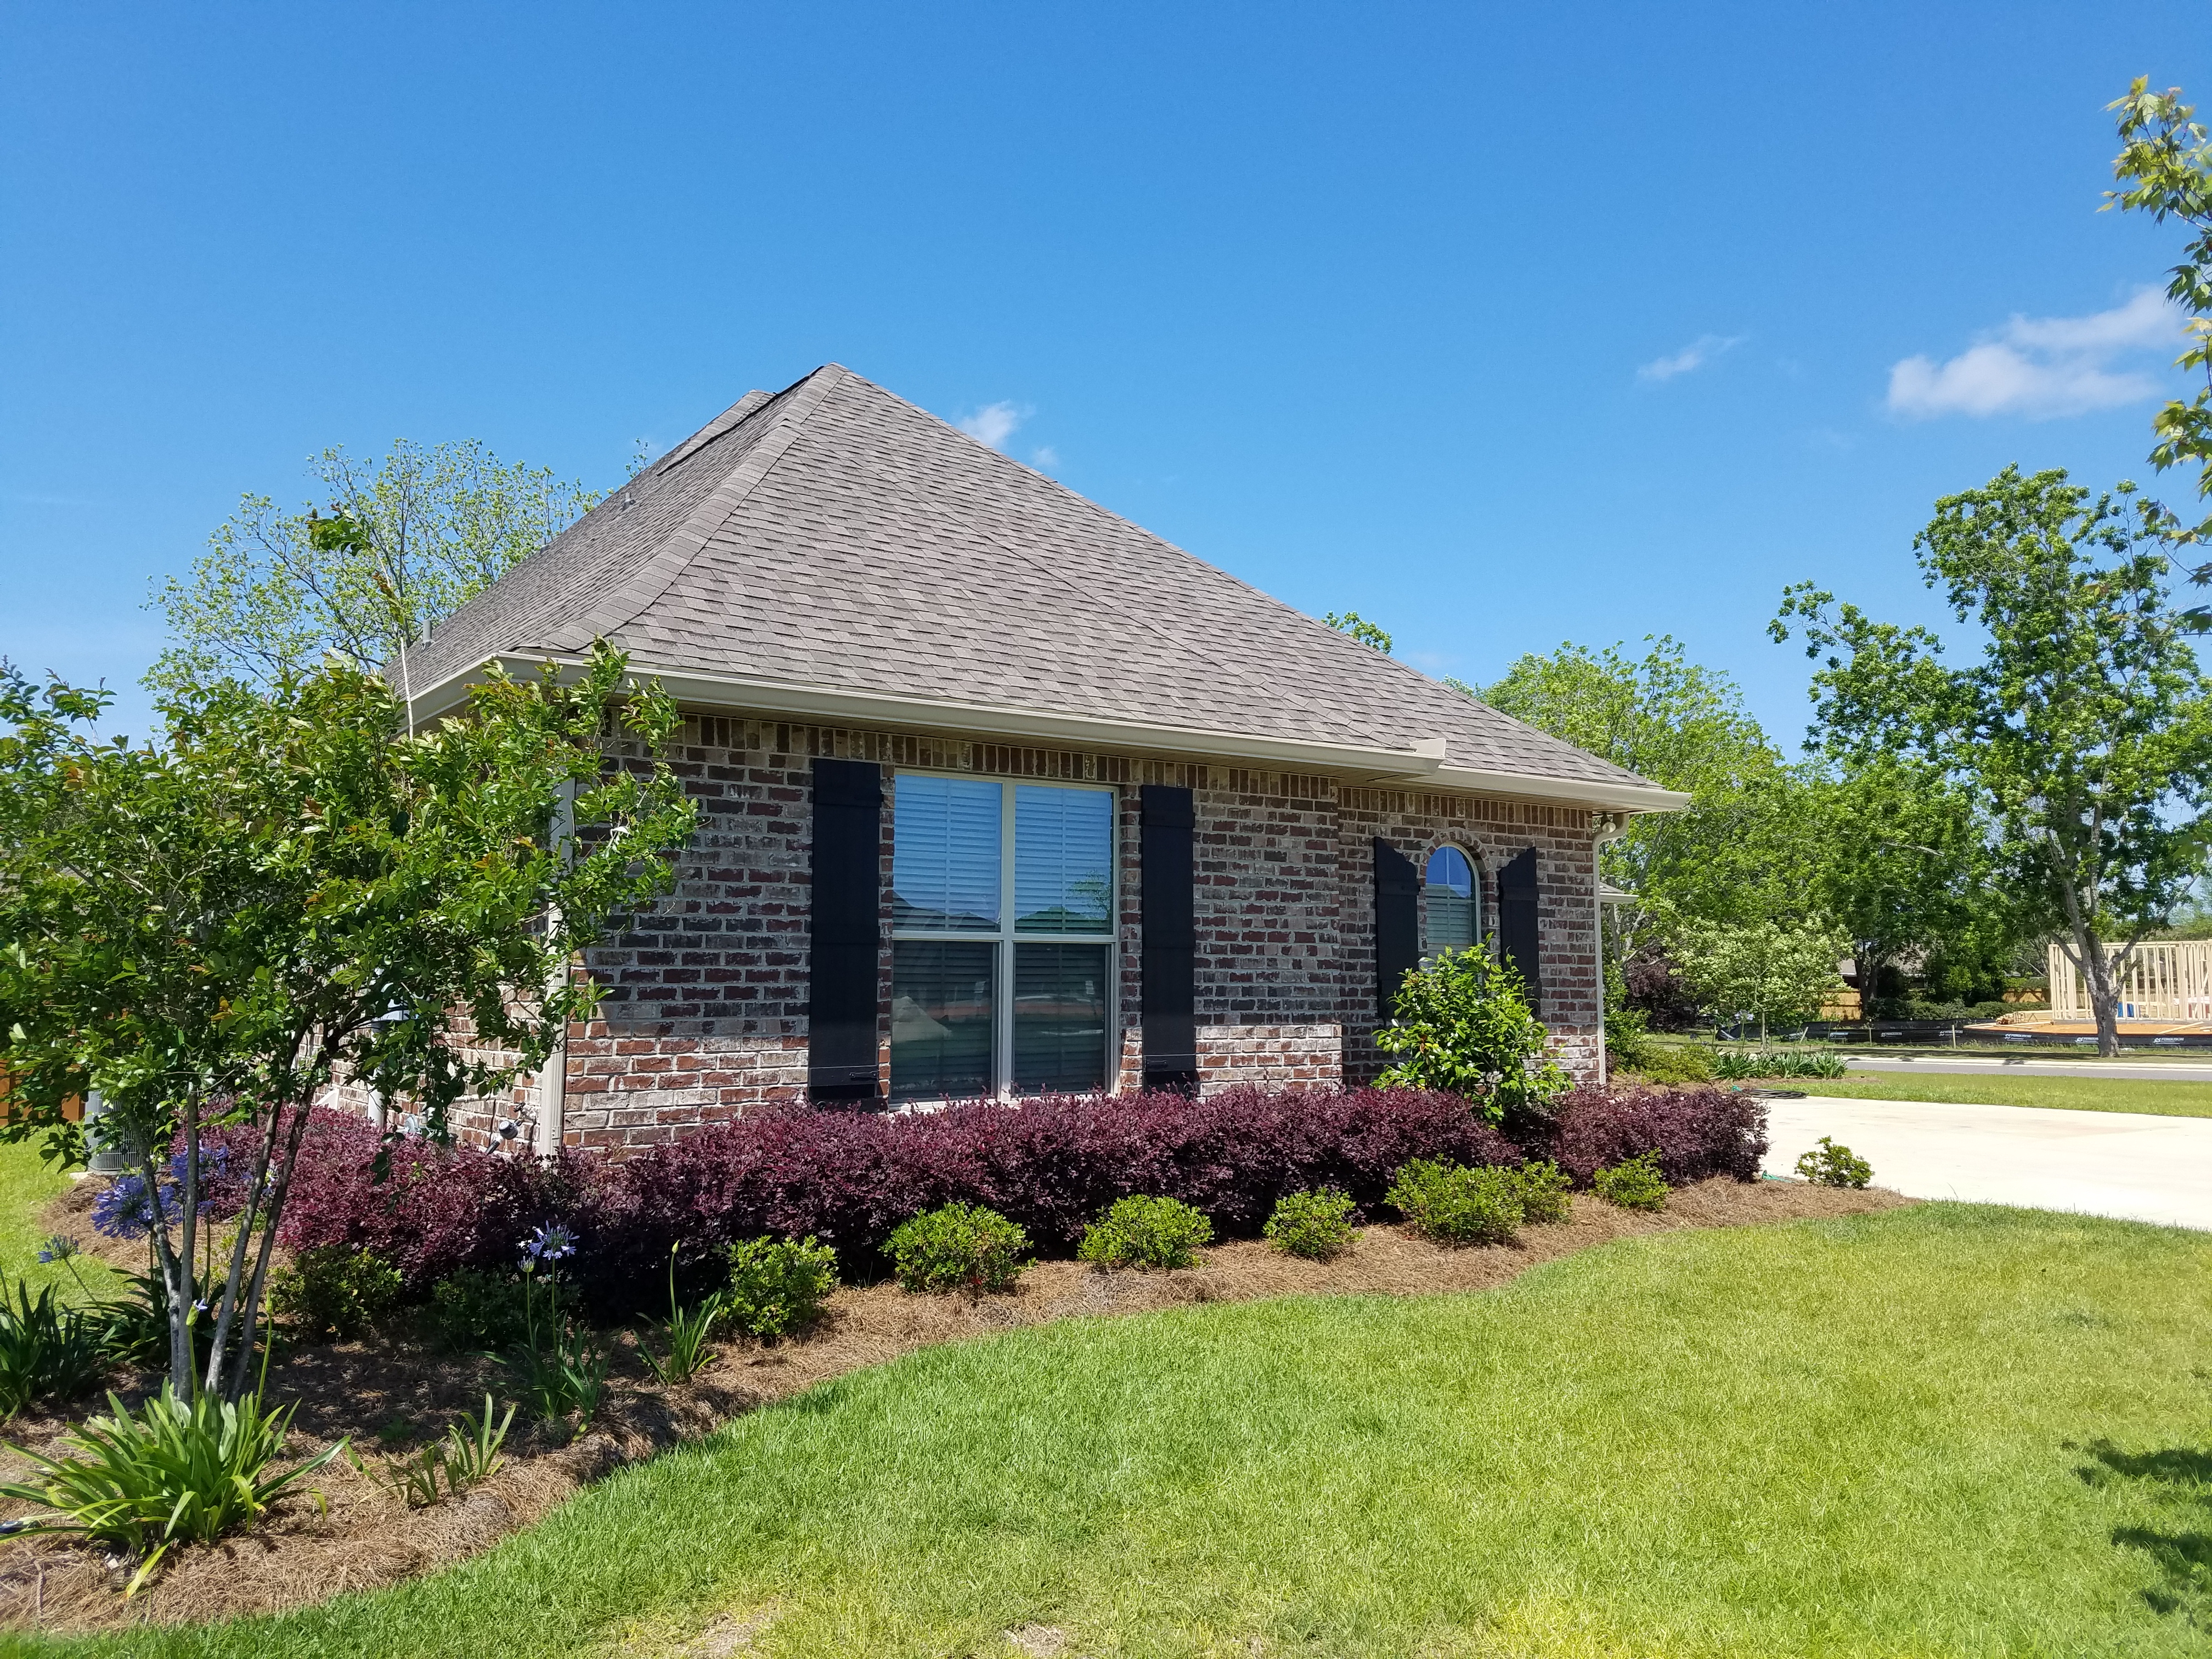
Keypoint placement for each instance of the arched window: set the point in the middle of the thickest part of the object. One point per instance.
(1450, 909)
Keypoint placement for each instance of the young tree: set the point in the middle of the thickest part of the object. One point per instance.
(2082, 735)
(287, 889)
(1761, 969)
(2164, 167)
(1903, 868)
(409, 539)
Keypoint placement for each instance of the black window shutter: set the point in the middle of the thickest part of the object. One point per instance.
(847, 931)
(1516, 921)
(1397, 923)
(1166, 914)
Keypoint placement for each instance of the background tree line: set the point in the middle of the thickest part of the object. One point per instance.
(2042, 776)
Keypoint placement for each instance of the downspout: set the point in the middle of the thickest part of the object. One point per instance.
(1611, 827)
(552, 1090)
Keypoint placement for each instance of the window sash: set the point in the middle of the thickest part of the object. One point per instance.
(1008, 933)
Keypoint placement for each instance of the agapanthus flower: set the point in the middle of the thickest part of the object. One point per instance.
(124, 1210)
(59, 1247)
(551, 1243)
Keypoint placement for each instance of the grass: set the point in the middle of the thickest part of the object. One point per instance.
(2081, 1094)
(1945, 1430)
(27, 1187)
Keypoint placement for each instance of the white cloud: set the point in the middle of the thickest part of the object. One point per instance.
(995, 424)
(1045, 458)
(2042, 367)
(1696, 355)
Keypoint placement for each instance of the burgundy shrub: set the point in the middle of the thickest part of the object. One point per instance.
(439, 1208)
(1052, 1163)
(1697, 1132)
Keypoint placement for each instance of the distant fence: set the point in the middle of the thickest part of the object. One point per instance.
(2164, 979)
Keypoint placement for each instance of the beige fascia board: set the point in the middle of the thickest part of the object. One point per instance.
(1573, 792)
(821, 703)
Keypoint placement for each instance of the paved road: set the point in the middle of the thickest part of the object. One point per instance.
(2115, 1164)
(2171, 1071)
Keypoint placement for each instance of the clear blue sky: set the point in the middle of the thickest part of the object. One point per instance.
(1502, 324)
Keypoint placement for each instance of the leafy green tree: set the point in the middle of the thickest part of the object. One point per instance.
(1464, 1025)
(2165, 169)
(1742, 848)
(407, 541)
(1761, 970)
(1905, 870)
(1367, 633)
(2082, 735)
(288, 889)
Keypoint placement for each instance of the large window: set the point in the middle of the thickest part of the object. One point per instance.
(1451, 918)
(1002, 954)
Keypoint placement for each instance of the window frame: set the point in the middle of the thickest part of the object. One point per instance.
(1006, 936)
(1475, 896)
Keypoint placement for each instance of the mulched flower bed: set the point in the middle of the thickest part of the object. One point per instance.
(394, 1397)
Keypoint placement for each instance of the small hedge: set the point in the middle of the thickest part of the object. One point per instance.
(331, 1293)
(1316, 1225)
(1634, 1184)
(958, 1247)
(1145, 1233)
(1050, 1164)
(1451, 1204)
(777, 1285)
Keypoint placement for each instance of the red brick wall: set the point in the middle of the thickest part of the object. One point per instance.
(1490, 831)
(705, 1007)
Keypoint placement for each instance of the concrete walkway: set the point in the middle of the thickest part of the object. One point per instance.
(2115, 1164)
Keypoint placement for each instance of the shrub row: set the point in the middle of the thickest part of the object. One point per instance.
(1051, 1164)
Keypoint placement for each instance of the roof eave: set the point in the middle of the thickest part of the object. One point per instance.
(828, 704)
(1422, 764)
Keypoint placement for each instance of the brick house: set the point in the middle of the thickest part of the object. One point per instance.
(1000, 792)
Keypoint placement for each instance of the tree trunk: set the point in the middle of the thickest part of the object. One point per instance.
(2104, 989)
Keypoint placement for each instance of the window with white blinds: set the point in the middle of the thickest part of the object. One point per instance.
(1450, 904)
(980, 869)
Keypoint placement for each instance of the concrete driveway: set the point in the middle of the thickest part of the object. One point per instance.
(2151, 1071)
(2115, 1164)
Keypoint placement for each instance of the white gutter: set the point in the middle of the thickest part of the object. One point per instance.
(1580, 791)
(817, 703)
(1423, 763)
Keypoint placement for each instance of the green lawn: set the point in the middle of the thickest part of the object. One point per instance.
(1945, 1429)
(27, 1187)
(2081, 1094)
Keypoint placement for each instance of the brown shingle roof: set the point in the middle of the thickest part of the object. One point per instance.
(834, 536)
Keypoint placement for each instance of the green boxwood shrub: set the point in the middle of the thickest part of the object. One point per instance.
(1676, 1062)
(1831, 1165)
(477, 1311)
(1145, 1233)
(1451, 1204)
(957, 1247)
(1542, 1188)
(332, 1292)
(778, 1285)
(1314, 1225)
(1634, 1184)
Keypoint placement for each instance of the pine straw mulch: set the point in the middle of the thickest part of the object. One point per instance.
(367, 1536)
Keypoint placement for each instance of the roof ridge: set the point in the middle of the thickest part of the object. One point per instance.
(657, 573)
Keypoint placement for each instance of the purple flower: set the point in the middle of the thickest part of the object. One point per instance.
(59, 1247)
(123, 1210)
(550, 1244)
